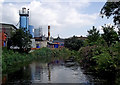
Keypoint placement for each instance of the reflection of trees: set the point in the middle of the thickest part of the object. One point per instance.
(117, 79)
(49, 73)
(26, 73)
(22, 75)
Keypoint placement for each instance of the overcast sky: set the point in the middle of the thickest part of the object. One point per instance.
(66, 17)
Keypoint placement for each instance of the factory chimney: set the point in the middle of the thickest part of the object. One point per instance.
(48, 33)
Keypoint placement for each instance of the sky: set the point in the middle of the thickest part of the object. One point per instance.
(66, 17)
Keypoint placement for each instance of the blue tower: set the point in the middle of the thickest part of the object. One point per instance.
(24, 18)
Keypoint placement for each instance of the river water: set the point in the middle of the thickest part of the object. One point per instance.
(52, 72)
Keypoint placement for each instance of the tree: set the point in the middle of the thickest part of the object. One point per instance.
(73, 43)
(21, 39)
(110, 35)
(93, 35)
(112, 9)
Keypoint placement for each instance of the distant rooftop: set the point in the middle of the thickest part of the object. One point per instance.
(3, 24)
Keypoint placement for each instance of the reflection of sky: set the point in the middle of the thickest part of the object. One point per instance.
(36, 72)
(56, 74)
(67, 75)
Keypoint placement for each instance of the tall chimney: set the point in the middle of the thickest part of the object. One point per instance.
(48, 33)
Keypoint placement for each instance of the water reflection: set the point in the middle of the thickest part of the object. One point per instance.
(56, 72)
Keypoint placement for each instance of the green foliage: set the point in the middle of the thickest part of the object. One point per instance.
(100, 58)
(85, 56)
(93, 35)
(62, 53)
(12, 61)
(101, 53)
(110, 35)
(21, 39)
(104, 61)
(115, 51)
(107, 59)
(111, 8)
(73, 43)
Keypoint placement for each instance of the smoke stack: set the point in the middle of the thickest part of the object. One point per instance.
(48, 33)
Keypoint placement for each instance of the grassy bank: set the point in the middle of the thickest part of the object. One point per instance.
(12, 60)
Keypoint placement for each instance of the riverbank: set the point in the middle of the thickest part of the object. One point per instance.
(101, 59)
(86, 56)
(13, 60)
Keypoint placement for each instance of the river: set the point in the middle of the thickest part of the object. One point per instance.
(57, 71)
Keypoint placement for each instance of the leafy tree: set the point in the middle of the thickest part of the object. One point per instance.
(73, 43)
(112, 8)
(93, 35)
(105, 62)
(21, 39)
(110, 35)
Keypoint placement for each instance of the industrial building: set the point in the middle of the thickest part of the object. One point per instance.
(31, 30)
(38, 32)
(24, 21)
(3, 38)
(5, 32)
(7, 28)
(42, 41)
(24, 24)
(60, 42)
(56, 43)
(38, 39)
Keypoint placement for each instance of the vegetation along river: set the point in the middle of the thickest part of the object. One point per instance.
(57, 71)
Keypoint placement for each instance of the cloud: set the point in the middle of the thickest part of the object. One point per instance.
(56, 1)
(10, 14)
(61, 16)
(1, 1)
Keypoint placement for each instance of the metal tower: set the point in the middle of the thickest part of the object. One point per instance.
(24, 18)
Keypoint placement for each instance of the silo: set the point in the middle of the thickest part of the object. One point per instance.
(24, 18)
(31, 28)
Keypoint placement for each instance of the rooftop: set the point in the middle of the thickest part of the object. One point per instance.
(2, 24)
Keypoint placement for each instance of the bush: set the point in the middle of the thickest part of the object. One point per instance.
(100, 58)
(85, 56)
(12, 61)
(105, 62)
